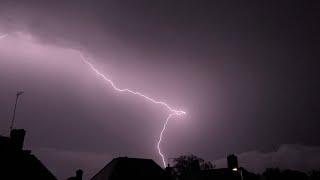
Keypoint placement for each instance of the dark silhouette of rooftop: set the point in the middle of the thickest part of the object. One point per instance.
(17, 163)
(131, 168)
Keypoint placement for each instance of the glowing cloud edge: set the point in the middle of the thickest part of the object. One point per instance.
(3, 36)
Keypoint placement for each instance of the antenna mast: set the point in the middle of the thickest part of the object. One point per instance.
(15, 107)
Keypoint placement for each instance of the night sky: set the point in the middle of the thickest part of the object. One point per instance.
(246, 72)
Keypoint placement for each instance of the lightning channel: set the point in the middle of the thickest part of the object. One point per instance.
(172, 111)
(160, 139)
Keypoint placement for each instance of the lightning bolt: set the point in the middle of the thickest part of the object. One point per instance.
(160, 139)
(172, 111)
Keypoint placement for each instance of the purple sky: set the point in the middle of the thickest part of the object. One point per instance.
(246, 73)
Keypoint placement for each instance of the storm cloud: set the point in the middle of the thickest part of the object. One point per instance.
(245, 72)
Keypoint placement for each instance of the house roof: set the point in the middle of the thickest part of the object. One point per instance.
(20, 164)
(124, 167)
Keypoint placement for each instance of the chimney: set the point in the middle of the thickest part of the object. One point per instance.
(17, 138)
(232, 162)
(79, 174)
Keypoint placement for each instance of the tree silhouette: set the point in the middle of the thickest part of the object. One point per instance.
(186, 164)
(272, 174)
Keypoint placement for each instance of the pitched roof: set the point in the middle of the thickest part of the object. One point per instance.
(133, 168)
(20, 164)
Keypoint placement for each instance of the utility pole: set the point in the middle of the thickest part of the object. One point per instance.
(15, 107)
